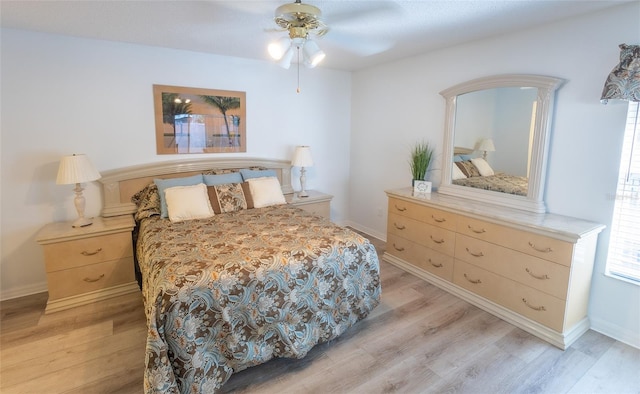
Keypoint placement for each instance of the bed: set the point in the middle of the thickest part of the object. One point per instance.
(476, 172)
(233, 290)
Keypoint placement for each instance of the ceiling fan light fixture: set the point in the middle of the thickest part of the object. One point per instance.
(313, 55)
(285, 61)
(279, 48)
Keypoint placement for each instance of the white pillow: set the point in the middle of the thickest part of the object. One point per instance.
(457, 173)
(266, 191)
(483, 167)
(188, 202)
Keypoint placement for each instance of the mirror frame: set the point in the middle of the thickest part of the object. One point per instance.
(534, 200)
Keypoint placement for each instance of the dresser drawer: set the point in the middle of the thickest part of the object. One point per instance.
(420, 256)
(544, 275)
(433, 216)
(433, 237)
(76, 253)
(526, 242)
(75, 281)
(529, 302)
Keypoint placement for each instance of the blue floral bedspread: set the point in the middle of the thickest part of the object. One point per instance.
(236, 290)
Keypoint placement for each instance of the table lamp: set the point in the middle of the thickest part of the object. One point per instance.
(302, 158)
(77, 169)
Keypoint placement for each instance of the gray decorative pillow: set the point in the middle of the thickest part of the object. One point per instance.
(468, 168)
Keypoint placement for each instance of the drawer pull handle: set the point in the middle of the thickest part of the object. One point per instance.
(439, 265)
(399, 227)
(438, 220)
(400, 209)
(476, 231)
(540, 308)
(441, 241)
(541, 277)
(89, 280)
(545, 250)
(479, 254)
(397, 248)
(85, 253)
(474, 281)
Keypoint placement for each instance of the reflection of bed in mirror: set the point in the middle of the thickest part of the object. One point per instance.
(514, 112)
(476, 172)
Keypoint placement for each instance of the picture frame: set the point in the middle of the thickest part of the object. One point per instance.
(421, 187)
(197, 120)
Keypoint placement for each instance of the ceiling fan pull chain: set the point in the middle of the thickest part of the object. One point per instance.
(298, 89)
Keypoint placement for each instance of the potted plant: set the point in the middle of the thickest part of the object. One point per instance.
(421, 155)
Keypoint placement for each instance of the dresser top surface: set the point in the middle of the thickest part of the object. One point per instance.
(549, 223)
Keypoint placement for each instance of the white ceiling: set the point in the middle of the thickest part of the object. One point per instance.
(363, 33)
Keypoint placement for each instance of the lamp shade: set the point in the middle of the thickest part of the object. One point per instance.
(302, 157)
(76, 169)
(623, 82)
(486, 145)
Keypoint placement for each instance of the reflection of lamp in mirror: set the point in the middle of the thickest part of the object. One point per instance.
(77, 169)
(485, 145)
(302, 158)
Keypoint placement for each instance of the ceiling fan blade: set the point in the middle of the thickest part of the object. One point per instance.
(358, 45)
(358, 12)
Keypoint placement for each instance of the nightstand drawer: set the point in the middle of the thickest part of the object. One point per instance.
(75, 281)
(76, 253)
(317, 208)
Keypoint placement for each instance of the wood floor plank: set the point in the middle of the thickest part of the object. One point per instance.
(408, 375)
(420, 339)
(90, 371)
(555, 371)
(69, 355)
(617, 371)
(481, 373)
(39, 348)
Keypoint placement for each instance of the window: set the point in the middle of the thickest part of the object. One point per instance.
(624, 247)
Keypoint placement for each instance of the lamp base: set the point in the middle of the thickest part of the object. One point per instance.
(303, 194)
(82, 222)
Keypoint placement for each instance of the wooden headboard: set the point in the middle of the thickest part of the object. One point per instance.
(459, 150)
(119, 185)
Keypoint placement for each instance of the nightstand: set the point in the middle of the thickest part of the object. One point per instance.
(317, 203)
(88, 264)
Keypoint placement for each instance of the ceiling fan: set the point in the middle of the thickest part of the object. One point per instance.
(299, 20)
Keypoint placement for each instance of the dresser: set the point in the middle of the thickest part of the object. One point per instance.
(317, 203)
(532, 270)
(88, 264)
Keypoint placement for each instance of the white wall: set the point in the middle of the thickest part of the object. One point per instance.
(396, 104)
(64, 95)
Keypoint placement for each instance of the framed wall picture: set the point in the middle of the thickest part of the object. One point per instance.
(421, 187)
(196, 120)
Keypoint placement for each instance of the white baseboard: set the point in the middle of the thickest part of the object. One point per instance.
(22, 291)
(616, 332)
(366, 230)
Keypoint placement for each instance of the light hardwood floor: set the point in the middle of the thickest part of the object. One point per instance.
(419, 339)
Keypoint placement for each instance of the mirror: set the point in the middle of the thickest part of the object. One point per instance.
(496, 137)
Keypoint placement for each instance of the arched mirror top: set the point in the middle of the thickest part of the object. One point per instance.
(496, 137)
